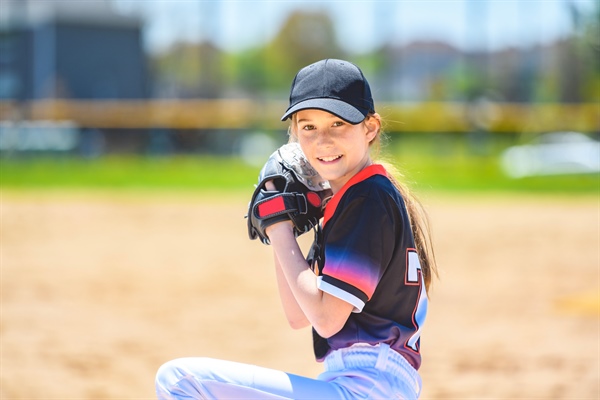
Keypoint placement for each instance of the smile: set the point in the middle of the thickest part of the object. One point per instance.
(330, 158)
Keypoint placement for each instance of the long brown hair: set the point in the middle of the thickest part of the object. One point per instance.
(419, 223)
(419, 220)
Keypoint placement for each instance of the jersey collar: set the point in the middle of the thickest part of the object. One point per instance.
(363, 174)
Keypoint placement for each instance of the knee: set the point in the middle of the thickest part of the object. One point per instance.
(167, 376)
(172, 373)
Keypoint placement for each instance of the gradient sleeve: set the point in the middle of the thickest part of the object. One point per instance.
(358, 248)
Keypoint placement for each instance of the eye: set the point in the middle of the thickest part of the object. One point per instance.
(338, 123)
(308, 127)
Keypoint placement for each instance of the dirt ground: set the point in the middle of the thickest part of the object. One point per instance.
(99, 290)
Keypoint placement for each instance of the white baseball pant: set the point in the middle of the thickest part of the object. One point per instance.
(360, 371)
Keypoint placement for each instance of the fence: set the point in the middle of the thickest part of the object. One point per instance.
(247, 113)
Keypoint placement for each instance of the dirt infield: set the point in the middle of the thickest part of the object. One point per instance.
(98, 291)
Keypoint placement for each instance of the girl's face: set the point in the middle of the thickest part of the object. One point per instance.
(334, 147)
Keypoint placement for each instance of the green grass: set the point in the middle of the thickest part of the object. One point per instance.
(452, 163)
(433, 162)
(128, 172)
(485, 175)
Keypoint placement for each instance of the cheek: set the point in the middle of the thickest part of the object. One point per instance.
(308, 153)
(305, 143)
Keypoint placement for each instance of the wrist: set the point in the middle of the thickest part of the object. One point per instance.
(280, 228)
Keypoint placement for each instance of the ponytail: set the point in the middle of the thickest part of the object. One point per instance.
(419, 220)
(419, 223)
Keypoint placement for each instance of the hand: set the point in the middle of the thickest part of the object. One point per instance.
(296, 192)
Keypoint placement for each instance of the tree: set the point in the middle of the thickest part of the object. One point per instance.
(305, 37)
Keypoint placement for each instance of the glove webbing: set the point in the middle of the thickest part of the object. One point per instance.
(281, 203)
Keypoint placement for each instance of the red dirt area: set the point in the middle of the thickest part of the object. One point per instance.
(98, 290)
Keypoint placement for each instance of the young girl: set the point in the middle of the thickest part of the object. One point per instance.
(363, 287)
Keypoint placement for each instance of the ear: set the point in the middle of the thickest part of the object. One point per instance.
(373, 126)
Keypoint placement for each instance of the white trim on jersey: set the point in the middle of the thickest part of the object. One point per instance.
(340, 294)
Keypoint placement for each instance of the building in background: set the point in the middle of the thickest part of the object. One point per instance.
(73, 50)
(70, 49)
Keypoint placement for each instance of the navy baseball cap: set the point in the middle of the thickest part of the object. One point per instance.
(336, 86)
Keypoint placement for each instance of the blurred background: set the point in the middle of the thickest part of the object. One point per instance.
(475, 94)
(132, 133)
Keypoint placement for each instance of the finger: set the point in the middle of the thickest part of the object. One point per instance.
(270, 185)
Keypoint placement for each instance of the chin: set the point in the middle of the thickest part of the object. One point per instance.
(329, 177)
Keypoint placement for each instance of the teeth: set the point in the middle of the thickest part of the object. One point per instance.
(328, 159)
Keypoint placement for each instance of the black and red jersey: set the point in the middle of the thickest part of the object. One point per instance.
(365, 254)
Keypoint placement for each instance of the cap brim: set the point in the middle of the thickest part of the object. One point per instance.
(336, 107)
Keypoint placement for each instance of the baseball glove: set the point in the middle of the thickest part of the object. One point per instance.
(300, 194)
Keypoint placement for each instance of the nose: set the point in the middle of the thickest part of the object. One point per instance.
(325, 138)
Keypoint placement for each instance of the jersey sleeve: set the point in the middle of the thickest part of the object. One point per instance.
(358, 248)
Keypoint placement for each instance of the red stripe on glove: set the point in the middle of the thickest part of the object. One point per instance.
(271, 206)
